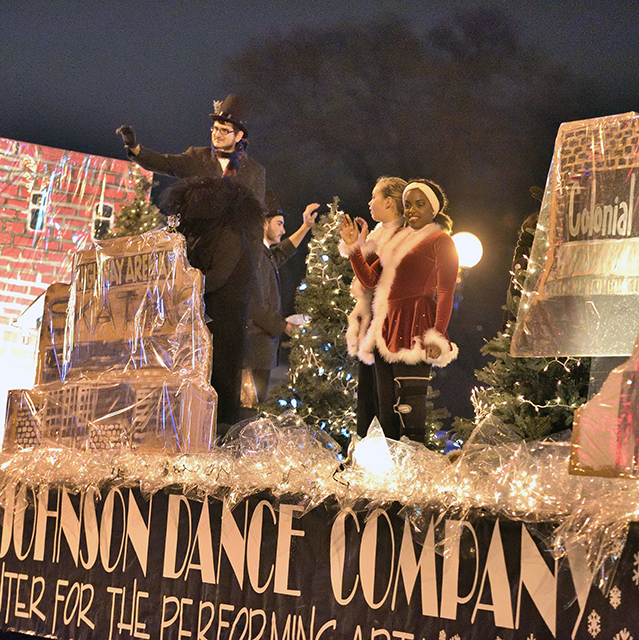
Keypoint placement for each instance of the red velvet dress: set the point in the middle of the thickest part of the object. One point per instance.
(414, 284)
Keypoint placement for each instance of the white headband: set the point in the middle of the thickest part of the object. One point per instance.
(427, 191)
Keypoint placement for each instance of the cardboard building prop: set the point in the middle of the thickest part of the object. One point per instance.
(53, 202)
(581, 292)
(124, 357)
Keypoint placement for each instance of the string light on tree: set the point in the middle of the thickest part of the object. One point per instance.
(141, 215)
(534, 397)
(322, 379)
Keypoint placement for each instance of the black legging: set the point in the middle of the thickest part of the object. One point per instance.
(402, 398)
(367, 406)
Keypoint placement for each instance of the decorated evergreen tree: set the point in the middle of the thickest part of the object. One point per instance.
(322, 379)
(531, 397)
(141, 215)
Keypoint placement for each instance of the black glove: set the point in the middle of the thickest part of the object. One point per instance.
(128, 136)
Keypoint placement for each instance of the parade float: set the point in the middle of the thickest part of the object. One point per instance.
(124, 517)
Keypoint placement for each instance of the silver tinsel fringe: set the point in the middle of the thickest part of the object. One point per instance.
(303, 465)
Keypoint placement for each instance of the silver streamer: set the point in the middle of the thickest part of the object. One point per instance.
(302, 465)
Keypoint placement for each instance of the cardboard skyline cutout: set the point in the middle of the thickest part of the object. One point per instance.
(124, 357)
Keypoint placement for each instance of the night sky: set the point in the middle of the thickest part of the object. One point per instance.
(72, 72)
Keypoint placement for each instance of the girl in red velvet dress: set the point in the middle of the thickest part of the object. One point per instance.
(387, 209)
(414, 283)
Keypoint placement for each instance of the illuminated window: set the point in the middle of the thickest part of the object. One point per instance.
(37, 208)
(102, 216)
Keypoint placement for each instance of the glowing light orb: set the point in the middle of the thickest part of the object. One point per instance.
(469, 249)
(373, 455)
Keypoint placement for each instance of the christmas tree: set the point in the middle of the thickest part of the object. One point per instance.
(322, 378)
(435, 437)
(141, 215)
(530, 398)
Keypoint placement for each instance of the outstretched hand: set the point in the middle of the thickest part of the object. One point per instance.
(349, 229)
(128, 135)
(310, 214)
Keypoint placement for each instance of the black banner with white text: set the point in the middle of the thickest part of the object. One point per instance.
(116, 565)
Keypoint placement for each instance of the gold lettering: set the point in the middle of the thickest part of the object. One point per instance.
(573, 224)
(607, 215)
(622, 222)
(145, 266)
(119, 262)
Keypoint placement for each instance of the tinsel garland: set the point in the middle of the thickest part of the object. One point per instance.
(525, 481)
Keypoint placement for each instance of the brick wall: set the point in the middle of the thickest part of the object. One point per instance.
(49, 199)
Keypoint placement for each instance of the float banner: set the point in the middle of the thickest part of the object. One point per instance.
(117, 565)
(581, 295)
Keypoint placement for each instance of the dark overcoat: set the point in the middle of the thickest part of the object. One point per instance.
(201, 162)
(266, 323)
(222, 223)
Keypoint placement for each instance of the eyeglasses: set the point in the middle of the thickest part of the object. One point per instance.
(221, 131)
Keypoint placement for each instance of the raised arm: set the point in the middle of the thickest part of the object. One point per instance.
(308, 220)
(353, 233)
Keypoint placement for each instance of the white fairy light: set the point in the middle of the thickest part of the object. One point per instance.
(373, 455)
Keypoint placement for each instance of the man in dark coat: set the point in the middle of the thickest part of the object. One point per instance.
(225, 157)
(266, 323)
(222, 224)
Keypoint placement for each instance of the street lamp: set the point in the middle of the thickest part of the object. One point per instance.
(469, 249)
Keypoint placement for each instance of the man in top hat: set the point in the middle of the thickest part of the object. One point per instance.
(266, 324)
(225, 157)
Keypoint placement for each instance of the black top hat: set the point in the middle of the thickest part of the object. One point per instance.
(272, 205)
(234, 110)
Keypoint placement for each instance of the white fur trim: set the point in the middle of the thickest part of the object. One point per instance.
(359, 291)
(449, 350)
(396, 249)
(347, 250)
(358, 322)
(375, 241)
(360, 317)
